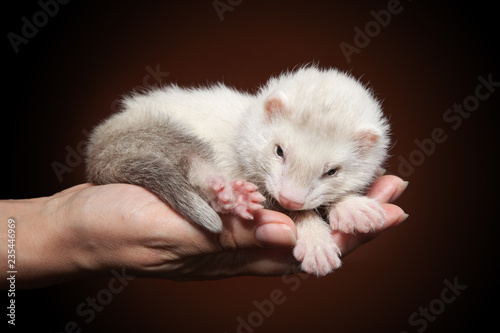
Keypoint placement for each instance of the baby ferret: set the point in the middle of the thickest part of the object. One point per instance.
(309, 139)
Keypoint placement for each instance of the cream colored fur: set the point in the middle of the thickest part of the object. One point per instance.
(309, 138)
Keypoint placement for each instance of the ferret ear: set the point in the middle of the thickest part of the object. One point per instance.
(275, 104)
(367, 137)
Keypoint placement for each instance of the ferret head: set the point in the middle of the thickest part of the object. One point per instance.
(321, 136)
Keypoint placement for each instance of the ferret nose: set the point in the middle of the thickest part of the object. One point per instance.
(290, 203)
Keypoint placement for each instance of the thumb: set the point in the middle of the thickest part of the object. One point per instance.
(268, 229)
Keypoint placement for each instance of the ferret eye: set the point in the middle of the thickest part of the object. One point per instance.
(279, 151)
(331, 172)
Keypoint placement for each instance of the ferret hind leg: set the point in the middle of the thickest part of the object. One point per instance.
(237, 197)
(163, 156)
(152, 152)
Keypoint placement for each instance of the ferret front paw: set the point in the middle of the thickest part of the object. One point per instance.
(355, 213)
(319, 255)
(238, 197)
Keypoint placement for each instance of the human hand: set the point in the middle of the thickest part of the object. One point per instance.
(90, 230)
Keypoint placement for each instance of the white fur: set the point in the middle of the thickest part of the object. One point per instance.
(325, 112)
(321, 119)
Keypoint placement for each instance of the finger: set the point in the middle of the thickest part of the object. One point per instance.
(248, 262)
(270, 262)
(394, 216)
(268, 229)
(349, 242)
(387, 188)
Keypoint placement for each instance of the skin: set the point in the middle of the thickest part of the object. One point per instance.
(89, 230)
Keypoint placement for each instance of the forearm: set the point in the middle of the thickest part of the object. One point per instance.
(38, 251)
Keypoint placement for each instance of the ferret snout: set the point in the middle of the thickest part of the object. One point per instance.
(291, 195)
(290, 203)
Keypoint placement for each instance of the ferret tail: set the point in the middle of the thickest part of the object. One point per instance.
(156, 152)
(178, 193)
(165, 181)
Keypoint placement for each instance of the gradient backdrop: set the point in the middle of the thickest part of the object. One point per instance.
(68, 76)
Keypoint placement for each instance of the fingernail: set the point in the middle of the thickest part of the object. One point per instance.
(399, 191)
(275, 235)
(402, 218)
(380, 172)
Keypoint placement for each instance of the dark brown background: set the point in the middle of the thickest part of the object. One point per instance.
(66, 79)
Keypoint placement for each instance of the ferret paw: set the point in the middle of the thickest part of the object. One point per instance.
(238, 197)
(248, 199)
(353, 214)
(319, 256)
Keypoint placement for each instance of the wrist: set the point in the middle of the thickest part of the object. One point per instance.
(44, 253)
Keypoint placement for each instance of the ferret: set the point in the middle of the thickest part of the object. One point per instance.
(309, 140)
